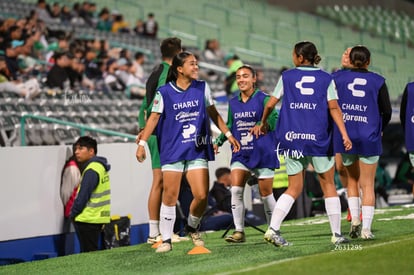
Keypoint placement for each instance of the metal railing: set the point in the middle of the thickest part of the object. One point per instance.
(81, 127)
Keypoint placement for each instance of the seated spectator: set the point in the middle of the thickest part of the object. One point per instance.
(139, 28)
(28, 89)
(14, 44)
(43, 11)
(92, 70)
(112, 80)
(57, 77)
(76, 17)
(119, 24)
(137, 69)
(212, 50)
(55, 12)
(104, 20)
(65, 15)
(76, 75)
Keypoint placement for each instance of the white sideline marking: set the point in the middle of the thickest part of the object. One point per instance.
(307, 256)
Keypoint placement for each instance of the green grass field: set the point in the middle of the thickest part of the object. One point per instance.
(311, 252)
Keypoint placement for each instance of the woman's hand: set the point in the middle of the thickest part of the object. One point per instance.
(259, 129)
(347, 143)
(235, 143)
(140, 154)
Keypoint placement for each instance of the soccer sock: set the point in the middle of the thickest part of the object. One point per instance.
(333, 210)
(167, 220)
(367, 216)
(353, 203)
(154, 228)
(269, 203)
(237, 207)
(193, 221)
(282, 208)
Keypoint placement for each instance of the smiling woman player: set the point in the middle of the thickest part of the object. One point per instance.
(181, 111)
(256, 155)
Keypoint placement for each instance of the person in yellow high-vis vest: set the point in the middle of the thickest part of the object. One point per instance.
(280, 184)
(91, 208)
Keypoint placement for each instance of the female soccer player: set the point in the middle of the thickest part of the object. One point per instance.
(181, 112)
(304, 135)
(407, 119)
(366, 107)
(256, 155)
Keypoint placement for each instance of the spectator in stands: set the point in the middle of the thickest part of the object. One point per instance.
(91, 208)
(315, 125)
(104, 20)
(86, 13)
(55, 12)
(58, 77)
(179, 151)
(368, 115)
(232, 62)
(15, 45)
(76, 75)
(92, 69)
(65, 15)
(151, 26)
(212, 51)
(137, 68)
(77, 20)
(256, 155)
(169, 48)
(112, 80)
(406, 118)
(43, 11)
(139, 28)
(27, 89)
(120, 25)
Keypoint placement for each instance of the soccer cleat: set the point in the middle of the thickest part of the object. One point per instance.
(164, 247)
(367, 234)
(153, 240)
(274, 237)
(355, 231)
(236, 237)
(339, 239)
(196, 238)
(176, 238)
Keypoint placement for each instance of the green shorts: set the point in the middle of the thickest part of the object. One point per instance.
(185, 165)
(320, 164)
(152, 143)
(348, 159)
(261, 173)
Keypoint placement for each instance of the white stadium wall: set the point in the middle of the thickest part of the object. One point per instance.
(30, 183)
